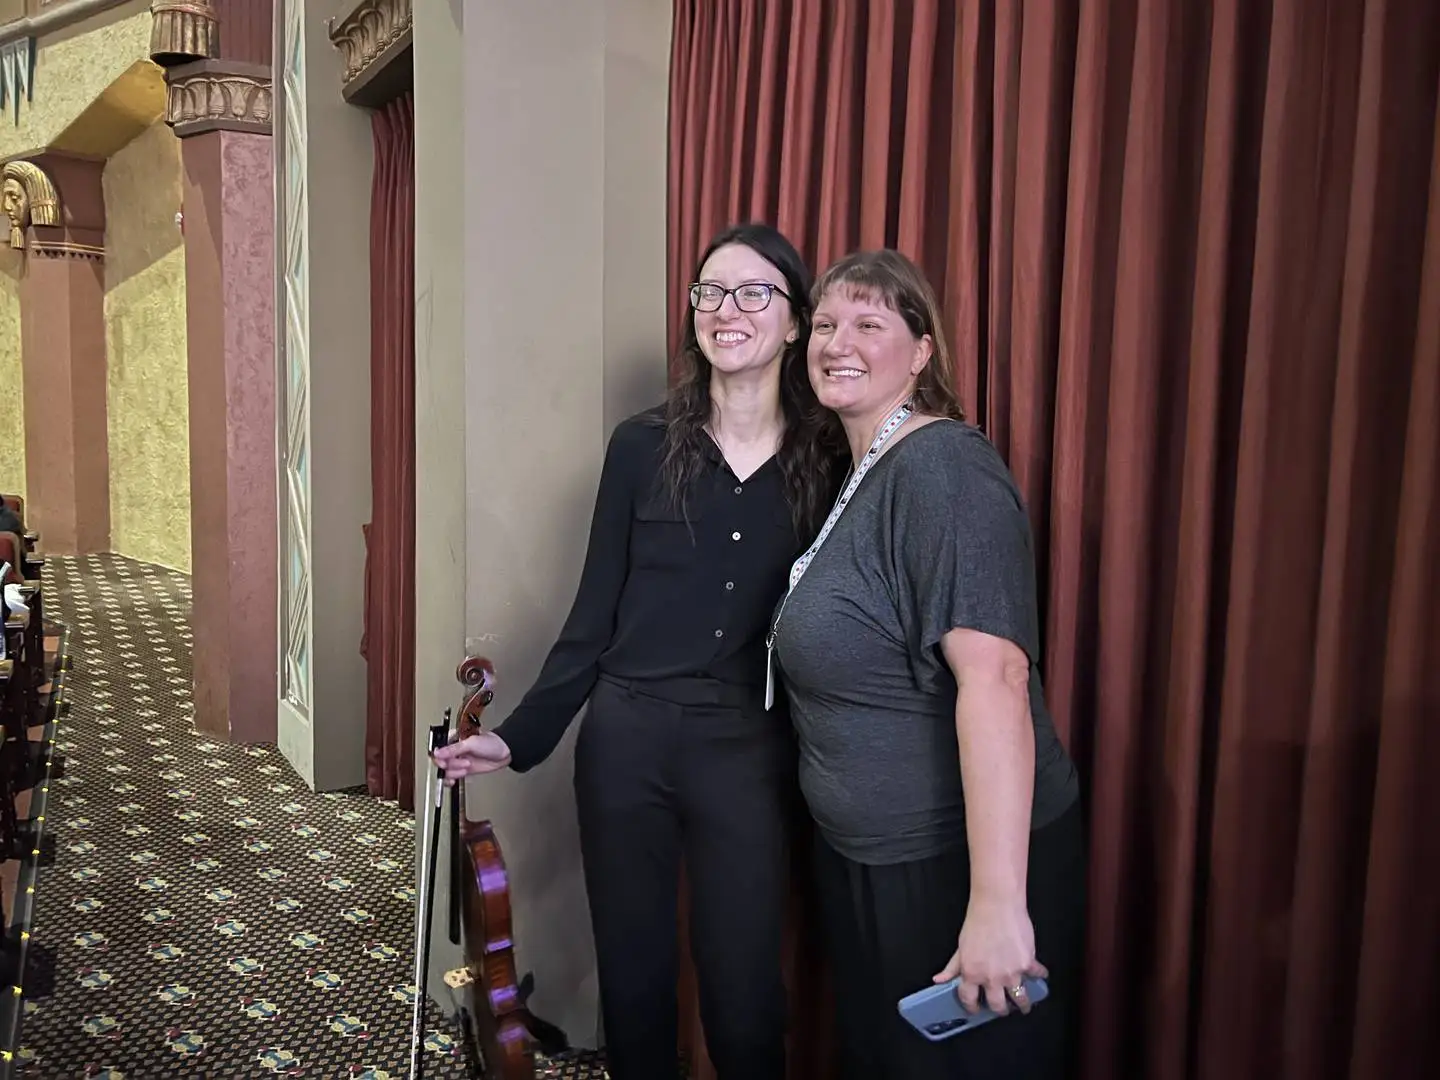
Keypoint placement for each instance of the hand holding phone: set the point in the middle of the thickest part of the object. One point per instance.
(937, 1014)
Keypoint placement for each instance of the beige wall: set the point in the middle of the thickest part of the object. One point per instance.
(147, 367)
(439, 399)
(564, 316)
(637, 87)
(340, 168)
(327, 299)
(12, 403)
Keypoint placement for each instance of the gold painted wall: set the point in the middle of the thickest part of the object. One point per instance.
(12, 407)
(145, 336)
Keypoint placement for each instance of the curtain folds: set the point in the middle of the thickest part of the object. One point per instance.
(1189, 256)
(389, 636)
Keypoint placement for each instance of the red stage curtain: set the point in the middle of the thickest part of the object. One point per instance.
(1189, 254)
(389, 642)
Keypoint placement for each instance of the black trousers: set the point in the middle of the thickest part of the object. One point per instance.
(686, 769)
(889, 929)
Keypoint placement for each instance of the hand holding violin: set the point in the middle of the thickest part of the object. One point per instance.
(485, 752)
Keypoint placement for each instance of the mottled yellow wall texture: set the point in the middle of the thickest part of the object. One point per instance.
(73, 67)
(12, 405)
(145, 337)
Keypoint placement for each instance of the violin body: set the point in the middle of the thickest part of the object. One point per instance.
(502, 1022)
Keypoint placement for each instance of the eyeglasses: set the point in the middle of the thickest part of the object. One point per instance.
(751, 298)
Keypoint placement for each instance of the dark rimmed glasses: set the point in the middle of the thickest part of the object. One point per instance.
(751, 297)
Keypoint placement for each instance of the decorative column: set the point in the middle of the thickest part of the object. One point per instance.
(220, 109)
(57, 216)
(182, 31)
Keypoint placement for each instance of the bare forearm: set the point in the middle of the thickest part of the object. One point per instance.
(997, 768)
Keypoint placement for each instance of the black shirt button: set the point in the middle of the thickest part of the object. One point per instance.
(729, 585)
(735, 536)
(738, 489)
(719, 633)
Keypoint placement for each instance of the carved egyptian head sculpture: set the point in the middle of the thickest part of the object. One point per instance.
(17, 209)
(28, 197)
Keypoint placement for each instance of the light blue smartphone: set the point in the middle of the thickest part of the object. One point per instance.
(937, 1014)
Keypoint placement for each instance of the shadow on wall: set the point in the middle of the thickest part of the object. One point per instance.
(142, 184)
(148, 383)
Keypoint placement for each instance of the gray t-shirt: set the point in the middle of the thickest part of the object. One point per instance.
(935, 538)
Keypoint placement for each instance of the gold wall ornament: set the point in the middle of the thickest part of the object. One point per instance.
(67, 249)
(17, 66)
(219, 95)
(182, 31)
(371, 28)
(28, 197)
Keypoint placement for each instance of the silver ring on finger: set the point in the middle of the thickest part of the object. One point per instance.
(1017, 991)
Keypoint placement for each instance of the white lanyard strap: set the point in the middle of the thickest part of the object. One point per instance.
(857, 473)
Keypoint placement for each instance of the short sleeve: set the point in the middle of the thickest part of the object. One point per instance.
(961, 545)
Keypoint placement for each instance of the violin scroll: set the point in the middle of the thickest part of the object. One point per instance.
(477, 675)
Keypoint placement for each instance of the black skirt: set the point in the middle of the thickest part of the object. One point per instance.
(889, 929)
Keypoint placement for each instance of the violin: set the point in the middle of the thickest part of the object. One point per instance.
(501, 1029)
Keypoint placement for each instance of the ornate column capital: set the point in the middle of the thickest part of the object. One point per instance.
(373, 34)
(182, 31)
(218, 95)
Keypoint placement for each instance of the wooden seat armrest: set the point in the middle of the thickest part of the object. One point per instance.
(31, 559)
(29, 589)
(31, 537)
(7, 668)
(16, 620)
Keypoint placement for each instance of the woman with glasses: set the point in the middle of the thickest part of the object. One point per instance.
(703, 504)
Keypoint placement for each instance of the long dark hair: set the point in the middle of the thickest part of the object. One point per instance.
(812, 443)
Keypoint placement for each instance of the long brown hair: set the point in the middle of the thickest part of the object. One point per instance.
(812, 443)
(885, 276)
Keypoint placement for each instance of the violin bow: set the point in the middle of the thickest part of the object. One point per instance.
(430, 852)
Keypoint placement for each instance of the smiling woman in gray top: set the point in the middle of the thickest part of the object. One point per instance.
(950, 840)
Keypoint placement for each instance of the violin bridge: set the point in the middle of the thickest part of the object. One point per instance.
(459, 978)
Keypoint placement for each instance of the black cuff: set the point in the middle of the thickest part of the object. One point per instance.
(526, 750)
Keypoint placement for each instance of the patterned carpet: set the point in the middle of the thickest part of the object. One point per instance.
(205, 913)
